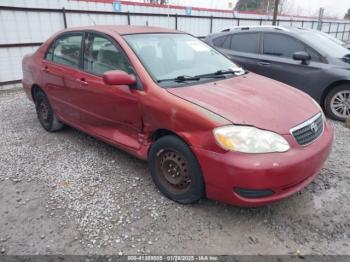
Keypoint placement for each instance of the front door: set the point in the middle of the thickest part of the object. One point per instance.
(276, 62)
(111, 112)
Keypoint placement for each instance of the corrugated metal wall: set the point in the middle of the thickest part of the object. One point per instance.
(33, 27)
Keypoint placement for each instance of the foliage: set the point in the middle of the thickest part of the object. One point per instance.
(258, 5)
(347, 15)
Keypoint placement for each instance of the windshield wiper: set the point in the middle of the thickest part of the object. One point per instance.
(222, 73)
(217, 74)
(180, 79)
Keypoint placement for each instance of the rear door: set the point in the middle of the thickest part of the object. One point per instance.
(276, 61)
(61, 68)
(242, 48)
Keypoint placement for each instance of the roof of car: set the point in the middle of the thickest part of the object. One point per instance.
(125, 29)
(257, 28)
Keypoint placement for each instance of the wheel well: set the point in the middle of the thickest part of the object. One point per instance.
(35, 90)
(166, 132)
(330, 87)
(162, 132)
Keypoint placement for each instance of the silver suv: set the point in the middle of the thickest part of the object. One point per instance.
(303, 58)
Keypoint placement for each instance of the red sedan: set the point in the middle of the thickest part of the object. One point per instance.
(206, 126)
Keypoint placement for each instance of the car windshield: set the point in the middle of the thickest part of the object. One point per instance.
(178, 59)
(324, 44)
(338, 41)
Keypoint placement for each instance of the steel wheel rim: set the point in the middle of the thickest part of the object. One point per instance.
(340, 104)
(173, 170)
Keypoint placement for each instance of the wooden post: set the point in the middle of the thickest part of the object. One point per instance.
(275, 12)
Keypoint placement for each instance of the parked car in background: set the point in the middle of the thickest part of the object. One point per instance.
(334, 39)
(299, 57)
(206, 127)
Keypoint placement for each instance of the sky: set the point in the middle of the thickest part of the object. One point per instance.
(334, 8)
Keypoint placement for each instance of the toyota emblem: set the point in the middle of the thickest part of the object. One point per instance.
(314, 127)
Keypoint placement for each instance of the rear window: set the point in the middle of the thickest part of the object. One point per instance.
(219, 42)
(66, 50)
(245, 42)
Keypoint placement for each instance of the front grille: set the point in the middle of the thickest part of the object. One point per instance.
(308, 131)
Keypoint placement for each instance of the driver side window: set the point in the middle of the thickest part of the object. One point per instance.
(101, 55)
(285, 46)
(281, 45)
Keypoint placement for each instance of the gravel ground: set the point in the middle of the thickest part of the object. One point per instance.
(68, 193)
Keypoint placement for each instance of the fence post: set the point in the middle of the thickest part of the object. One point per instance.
(336, 34)
(64, 17)
(176, 21)
(260, 21)
(329, 28)
(320, 26)
(211, 24)
(313, 24)
(128, 18)
(302, 23)
(342, 38)
(237, 21)
(320, 19)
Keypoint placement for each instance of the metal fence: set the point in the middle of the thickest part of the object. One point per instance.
(33, 30)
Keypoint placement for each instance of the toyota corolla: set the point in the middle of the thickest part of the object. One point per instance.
(206, 126)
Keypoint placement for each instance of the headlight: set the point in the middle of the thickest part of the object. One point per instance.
(249, 139)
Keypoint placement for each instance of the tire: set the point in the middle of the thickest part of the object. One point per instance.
(45, 113)
(175, 170)
(337, 102)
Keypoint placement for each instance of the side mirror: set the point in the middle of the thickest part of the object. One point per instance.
(303, 57)
(118, 77)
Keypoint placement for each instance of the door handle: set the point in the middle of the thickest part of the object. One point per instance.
(264, 63)
(81, 81)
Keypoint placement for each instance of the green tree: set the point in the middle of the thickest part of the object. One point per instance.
(258, 5)
(347, 15)
(249, 5)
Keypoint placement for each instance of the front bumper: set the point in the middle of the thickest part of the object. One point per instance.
(283, 173)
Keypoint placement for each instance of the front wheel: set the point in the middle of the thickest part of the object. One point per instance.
(337, 103)
(175, 170)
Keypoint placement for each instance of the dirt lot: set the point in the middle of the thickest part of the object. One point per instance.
(68, 193)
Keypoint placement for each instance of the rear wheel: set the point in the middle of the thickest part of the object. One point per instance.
(337, 103)
(175, 170)
(45, 113)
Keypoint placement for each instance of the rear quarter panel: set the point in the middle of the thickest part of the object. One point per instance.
(31, 68)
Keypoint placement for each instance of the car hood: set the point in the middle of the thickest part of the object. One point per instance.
(252, 100)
